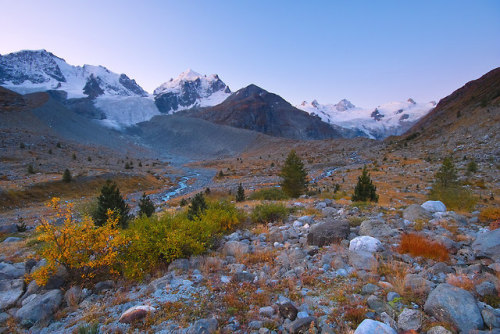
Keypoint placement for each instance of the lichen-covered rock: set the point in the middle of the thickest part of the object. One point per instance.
(457, 306)
(365, 243)
(410, 319)
(301, 325)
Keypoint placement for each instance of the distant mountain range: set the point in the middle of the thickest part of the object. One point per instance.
(118, 101)
(393, 118)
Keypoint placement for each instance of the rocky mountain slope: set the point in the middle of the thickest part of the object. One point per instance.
(256, 109)
(393, 118)
(189, 90)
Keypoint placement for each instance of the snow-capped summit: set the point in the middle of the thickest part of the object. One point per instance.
(30, 71)
(190, 89)
(392, 118)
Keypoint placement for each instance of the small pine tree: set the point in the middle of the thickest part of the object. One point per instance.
(74, 156)
(207, 191)
(221, 174)
(50, 151)
(58, 145)
(22, 146)
(446, 176)
(294, 176)
(66, 176)
(111, 199)
(471, 167)
(365, 190)
(31, 170)
(183, 202)
(240, 194)
(146, 206)
(89, 158)
(197, 207)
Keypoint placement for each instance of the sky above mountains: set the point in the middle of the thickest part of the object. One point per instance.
(366, 51)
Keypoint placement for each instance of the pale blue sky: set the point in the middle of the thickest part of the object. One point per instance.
(369, 52)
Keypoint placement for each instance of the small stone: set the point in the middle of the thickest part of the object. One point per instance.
(486, 288)
(135, 313)
(288, 310)
(438, 330)
(243, 276)
(392, 295)
(362, 260)
(203, 326)
(410, 319)
(301, 325)
(104, 285)
(73, 296)
(266, 311)
(369, 289)
(369, 326)
(11, 239)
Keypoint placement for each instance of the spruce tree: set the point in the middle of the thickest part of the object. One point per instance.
(197, 207)
(240, 194)
(471, 168)
(146, 206)
(111, 199)
(365, 190)
(294, 176)
(446, 176)
(66, 176)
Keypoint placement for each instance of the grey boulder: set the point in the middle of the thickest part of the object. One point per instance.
(40, 307)
(488, 245)
(451, 304)
(416, 212)
(328, 232)
(376, 228)
(10, 292)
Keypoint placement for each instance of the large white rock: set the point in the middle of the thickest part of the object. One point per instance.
(434, 206)
(365, 243)
(369, 326)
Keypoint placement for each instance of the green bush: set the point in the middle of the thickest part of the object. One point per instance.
(158, 241)
(294, 176)
(146, 206)
(269, 194)
(454, 197)
(269, 212)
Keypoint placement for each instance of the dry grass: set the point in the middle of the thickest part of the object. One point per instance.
(489, 214)
(260, 229)
(41, 192)
(461, 281)
(420, 245)
(211, 264)
(257, 257)
(494, 225)
(395, 272)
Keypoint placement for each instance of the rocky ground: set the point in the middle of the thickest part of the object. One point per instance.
(328, 268)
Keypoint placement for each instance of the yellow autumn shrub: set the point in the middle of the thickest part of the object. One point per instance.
(87, 251)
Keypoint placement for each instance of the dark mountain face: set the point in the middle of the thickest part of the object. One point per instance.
(13, 67)
(255, 109)
(476, 103)
(131, 85)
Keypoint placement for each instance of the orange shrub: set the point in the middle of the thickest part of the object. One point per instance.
(494, 225)
(420, 245)
(489, 214)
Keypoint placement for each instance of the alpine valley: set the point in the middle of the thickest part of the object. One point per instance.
(200, 209)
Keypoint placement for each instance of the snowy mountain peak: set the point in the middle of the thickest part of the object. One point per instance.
(190, 89)
(392, 118)
(344, 104)
(39, 70)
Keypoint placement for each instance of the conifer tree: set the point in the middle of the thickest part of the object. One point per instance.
(197, 207)
(146, 206)
(471, 168)
(365, 190)
(66, 176)
(294, 176)
(111, 199)
(446, 176)
(240, 194)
